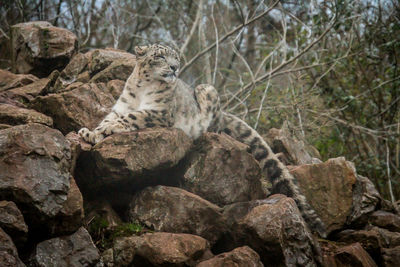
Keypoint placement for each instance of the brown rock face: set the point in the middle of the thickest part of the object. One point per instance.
(239, 257)
(74, 250)
(353, 255)
(171, 209)
(9, 80)
(125, 158)
(27, 93)
(159, 249)
(86, 105)
(8, 252)
(12, 221)
(39, 48)
(275, 228)
(372, 239)
(100, 59)
(13, 115)
(34, 169)
(117, 70)
(328, 188)
(385, 220)
(221, 171)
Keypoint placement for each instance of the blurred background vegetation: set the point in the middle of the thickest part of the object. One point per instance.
(327, 68)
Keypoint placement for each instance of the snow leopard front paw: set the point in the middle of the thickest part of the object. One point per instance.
(92, 137)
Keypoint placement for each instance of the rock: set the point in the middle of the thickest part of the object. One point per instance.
(34, 169)
(385, 220)
(115, 87)
(70, 74)
(391, 256)
(73, 250)
(294, 152)
(117, 70)
(28, 92)
(275, 229)
(372, 239)
(39, 48)
(239, 257)
(353, 255)
(13, 115)
(222, 171)
(71, 215)
(365, 200)
(159, 249)
(328, 188)
(100, 59)
(9, 80)
(8, 252)
(171, 209)
(127, 157)
(12, 222)
(86, 105)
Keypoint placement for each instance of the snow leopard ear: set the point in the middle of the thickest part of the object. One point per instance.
(141, 50)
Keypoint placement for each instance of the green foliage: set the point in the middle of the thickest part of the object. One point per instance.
(103, 235)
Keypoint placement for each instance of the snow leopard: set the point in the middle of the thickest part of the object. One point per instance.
(154, 96)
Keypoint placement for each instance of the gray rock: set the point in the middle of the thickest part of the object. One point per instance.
(222, 171)
(74, 250)
(275, 229)
(34, 170)
(171, 209)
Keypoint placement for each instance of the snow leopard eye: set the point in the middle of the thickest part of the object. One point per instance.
(159, 57)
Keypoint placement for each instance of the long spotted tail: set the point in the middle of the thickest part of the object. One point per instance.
(282, 181)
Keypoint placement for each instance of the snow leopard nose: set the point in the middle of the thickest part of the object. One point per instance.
(173, 68)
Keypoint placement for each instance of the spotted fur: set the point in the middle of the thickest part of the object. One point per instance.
(154, 97)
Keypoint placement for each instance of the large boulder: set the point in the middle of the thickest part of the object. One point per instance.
(350, 255)
(73, 250)
(171, 209)
(13, 115)
(126, 158)
(83, 106)
(159, 249)
(328, 187)
(39, 48)
(12, 222)
(34, 170)
(274, 228)
(222, 171)
(8, 252)
(385, 220)
(239, 257)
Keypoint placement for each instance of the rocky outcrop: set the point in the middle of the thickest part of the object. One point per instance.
(159, 249)
(39, 48)
(221, 171)
(74, 250)
(154, 197)
(175, 210)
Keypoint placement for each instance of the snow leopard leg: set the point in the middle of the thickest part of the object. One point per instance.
(207, 99)
(118, 123)
(280, 177)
